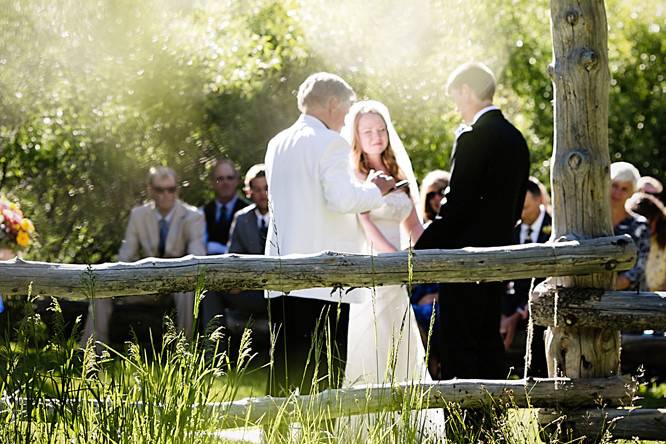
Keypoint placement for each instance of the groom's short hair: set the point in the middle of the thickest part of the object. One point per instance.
(475, 75)
(321, 86)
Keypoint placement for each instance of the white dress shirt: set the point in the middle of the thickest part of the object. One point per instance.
(482, 111)
(262, 219)
(535, 227)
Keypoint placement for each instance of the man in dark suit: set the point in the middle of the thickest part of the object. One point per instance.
(250, 225)
(248, 236)
(535, 227)
(490, 166)
(219, 214)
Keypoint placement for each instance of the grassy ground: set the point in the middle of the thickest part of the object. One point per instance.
(146, 394)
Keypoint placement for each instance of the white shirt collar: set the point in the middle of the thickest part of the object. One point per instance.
(536, 226)
(168, 217)
(482, 111)
(312, 121)
(260, 217)
(229, 206)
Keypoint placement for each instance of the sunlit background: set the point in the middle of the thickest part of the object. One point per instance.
(94, 92)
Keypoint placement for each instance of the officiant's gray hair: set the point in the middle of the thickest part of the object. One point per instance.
(321, 86)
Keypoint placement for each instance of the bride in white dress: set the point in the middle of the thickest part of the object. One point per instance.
(384, 343)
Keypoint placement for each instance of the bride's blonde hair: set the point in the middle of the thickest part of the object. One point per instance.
(359, 159)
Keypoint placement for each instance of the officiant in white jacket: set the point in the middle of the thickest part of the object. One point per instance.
(314, 199)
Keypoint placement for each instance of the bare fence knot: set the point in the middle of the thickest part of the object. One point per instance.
(589, 59)
(572, 16)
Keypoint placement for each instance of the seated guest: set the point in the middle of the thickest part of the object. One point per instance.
(219, 213)
(432, 193)
(535, 227)
(165, 227)
(248, 236)
(624, 177)
(653, 210)
(649, 185)
(250, 225)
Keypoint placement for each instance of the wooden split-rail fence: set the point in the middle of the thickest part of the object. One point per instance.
(551, 306)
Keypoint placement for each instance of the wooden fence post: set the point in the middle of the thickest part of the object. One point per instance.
(580, 173)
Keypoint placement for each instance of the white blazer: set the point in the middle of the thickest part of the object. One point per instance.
(314, 198)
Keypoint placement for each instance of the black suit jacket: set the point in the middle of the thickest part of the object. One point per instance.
(489, 170)
(219, 231)
(518, 292)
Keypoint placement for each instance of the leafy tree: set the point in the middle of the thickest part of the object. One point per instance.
(93, 93)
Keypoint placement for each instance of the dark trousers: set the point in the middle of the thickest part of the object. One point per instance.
(471, 345)
(211, 305)
(306, 331)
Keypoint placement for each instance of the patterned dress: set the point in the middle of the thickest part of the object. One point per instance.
(655, 270)
(636, 226)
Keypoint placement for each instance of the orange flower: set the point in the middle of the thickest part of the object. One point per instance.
(23, 239)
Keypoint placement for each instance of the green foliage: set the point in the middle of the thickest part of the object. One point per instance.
(638, 89)
(94, 93)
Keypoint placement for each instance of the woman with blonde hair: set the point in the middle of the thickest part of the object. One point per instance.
(432, 192)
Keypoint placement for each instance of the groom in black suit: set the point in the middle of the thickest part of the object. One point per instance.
(489, 170)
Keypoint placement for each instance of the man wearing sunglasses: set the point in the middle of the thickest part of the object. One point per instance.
(165, 227)
(219, 214)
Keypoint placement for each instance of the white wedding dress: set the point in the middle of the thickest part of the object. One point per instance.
(384, 343)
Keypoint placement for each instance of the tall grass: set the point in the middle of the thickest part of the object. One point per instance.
(55, 392)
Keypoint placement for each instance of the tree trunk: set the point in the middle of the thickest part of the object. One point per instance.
(579, 176)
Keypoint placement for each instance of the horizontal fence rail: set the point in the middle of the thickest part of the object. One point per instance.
(559, 393)
(556, 393)
(592, 307)
(327, 269)
(621, 423)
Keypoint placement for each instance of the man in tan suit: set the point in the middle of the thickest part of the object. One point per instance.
(164, 227)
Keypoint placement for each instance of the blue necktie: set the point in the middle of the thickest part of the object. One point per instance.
(222, 214)
(164, 230)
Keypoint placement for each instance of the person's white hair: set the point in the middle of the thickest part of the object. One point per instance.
(321, 86)
(160, 171)
(624, 172)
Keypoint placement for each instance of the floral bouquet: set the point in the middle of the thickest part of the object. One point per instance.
(16, 230)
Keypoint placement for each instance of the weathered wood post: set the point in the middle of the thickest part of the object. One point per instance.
(580, 173)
